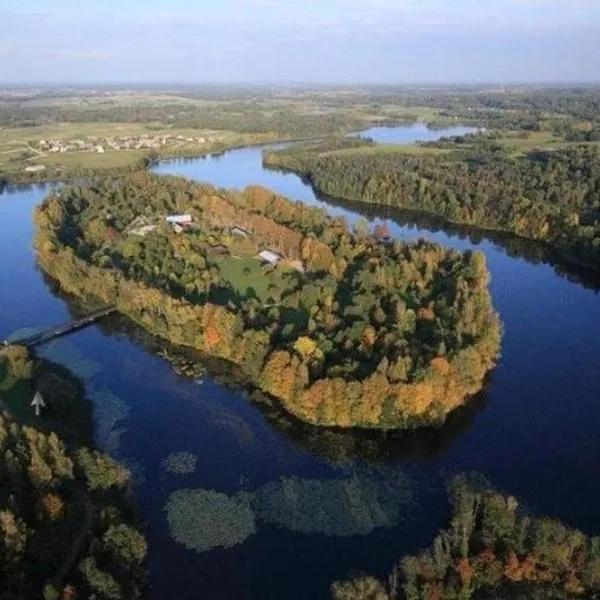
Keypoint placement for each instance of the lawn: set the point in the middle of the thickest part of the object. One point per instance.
(538, 139)
(247, 276)
(387, 148)
(16, 395)
(92, 160)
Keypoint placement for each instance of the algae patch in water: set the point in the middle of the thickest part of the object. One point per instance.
(180, 463)
(202, 520)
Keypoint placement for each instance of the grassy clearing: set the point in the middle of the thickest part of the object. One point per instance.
(247, 276)
(16, 395)
(538, 139)
(92, 160)
(389, 148)
(65, 131)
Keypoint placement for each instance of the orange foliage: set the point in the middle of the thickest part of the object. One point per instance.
(427, 313)
(512, 569)
(211, 336)
(53, 505)
(382, 231)
(369, 336)
(441, 364)
(465, 571)
(69, 593)
(573, 585)
(435, 592)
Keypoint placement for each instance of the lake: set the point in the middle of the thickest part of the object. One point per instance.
(532, 432)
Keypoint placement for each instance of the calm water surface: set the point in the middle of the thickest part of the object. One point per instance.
(533, 432)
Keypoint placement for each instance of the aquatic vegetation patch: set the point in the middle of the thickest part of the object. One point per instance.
(336, 507)
(203, 520)
(109, 410)
(180, 463)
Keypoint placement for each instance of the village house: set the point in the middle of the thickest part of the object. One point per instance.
(270, 257)
(239, 231)
(180, 219)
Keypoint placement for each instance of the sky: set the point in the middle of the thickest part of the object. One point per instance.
(303, 41)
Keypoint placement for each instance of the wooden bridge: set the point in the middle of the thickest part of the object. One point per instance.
(55, 332)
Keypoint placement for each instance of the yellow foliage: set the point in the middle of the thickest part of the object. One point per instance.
(306, 347)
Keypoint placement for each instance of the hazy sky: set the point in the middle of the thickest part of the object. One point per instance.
(341, 41)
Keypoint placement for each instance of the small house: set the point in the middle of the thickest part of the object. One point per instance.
(269, 256)
(143, 231)
(180, 219)
(220, 249)
(239, 232)
(177, 228)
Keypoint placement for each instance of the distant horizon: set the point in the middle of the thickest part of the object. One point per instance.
(296, 84)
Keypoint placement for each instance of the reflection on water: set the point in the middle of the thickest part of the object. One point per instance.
(344, 446)
(336, 446)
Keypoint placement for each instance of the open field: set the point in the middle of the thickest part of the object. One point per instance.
(387, 148)
(248, 277)
(537, 139)
(22, 147)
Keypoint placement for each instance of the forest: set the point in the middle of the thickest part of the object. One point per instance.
(346, 328)
(547, 195)
(68, 525)
(493, 547)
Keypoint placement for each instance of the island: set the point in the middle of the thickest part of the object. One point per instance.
(538, 187)
(345, 327)
(68, 524)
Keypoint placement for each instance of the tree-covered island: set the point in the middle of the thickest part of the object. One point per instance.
(343, 328)
(550, 194)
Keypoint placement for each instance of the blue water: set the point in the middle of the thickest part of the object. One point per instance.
(533, 432)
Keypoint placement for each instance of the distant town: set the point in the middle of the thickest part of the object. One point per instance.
(129, 142)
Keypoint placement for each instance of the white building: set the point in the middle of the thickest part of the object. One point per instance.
(180, 219)
(269, 256)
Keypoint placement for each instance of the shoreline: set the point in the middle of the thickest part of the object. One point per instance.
(562, 255)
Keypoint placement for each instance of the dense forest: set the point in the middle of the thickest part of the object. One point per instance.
(492, 548)
(67, 525)
(551, 196)
(346, 328)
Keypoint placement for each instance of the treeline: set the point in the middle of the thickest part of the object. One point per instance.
(67, 528)
(345, 331)
(548, 196)
(10, 176)
(241, 117)
(492, 548)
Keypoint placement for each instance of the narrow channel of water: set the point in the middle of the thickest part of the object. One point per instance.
(533, 432)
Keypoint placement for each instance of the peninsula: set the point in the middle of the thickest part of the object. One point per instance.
(345, 327)
(498, 181)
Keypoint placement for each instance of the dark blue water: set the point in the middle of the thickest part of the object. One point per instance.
(533, 432)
